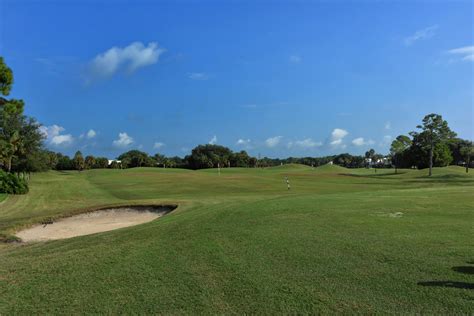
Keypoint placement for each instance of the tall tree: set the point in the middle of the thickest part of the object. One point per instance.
(89, 162)
(78, 161)
(467, 151)
(434, 130)
(398, 147)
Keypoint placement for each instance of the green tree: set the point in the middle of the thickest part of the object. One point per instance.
(6, 78)
(434, 130)
(467, 151)
(64, 162)
(136, 158)
(101, 163)
(209, 156)
(89, 162)
(399, 146)
(78, 161)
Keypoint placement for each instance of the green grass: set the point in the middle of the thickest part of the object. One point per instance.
(2, 197)
(241, 243)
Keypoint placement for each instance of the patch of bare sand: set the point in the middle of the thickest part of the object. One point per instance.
(93, 222)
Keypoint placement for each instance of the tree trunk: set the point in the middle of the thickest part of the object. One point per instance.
(431, 159)
(467, 164)
(9, 164)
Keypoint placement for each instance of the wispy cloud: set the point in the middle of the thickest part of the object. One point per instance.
(388, 125)
(295, 59)
(123, 140)
(422, 34)
(305, 143)
(158, 145)
(243, 142)
(337, 137)
(273, 141)
(213, 140)
(198, 76)
(466, 53)
(129, 58)
(360, 141)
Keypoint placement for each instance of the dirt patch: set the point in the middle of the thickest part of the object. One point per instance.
(93, 222)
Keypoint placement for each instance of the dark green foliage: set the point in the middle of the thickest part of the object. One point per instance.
(136, 158)
(209, 156)
(101, 163)
(36, 161)
(78, 161)
(6, 78)
(64, 162)
(12, 184)
(89, 162)
(241, 159)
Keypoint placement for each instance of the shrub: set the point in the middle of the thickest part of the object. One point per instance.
(11, 184)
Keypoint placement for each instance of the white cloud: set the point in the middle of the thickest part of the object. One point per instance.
(273, 141)
(158, 145)
(295, 59)
(198, 76)
(51, 131)
(134, 56)
(213, 140)
(123, 141)
(337, 136)
(243, 142)
(91, 134)
(466, 52)
(305, 143)
(360, 141)
(422, 34)
(58, 140)
(54, 137)
(388, 125)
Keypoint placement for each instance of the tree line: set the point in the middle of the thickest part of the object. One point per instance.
(22, 150)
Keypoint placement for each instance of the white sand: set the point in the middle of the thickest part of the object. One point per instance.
(90, 223)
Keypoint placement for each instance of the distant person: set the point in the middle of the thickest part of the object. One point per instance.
(287, 182)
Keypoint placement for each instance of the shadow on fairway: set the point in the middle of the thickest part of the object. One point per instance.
(452, 284)
(466, 270)
(375, 175)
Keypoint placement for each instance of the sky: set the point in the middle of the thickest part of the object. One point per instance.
(274, 78)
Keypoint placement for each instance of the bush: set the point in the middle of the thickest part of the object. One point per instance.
(11, 184)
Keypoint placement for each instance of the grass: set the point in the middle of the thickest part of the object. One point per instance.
(2, 197)
(241, 243)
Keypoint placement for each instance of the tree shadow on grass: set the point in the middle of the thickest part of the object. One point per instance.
(452, 284)
(375, 175)
(465, 269)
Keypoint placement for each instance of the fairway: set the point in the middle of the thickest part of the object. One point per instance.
(341, 240)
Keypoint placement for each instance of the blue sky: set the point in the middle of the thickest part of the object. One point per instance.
(276, 78)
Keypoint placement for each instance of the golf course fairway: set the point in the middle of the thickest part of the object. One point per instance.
(340, 241)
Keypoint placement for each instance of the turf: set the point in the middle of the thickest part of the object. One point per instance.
(345, 241)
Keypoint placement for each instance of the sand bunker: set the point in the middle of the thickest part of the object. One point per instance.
(94, 222)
